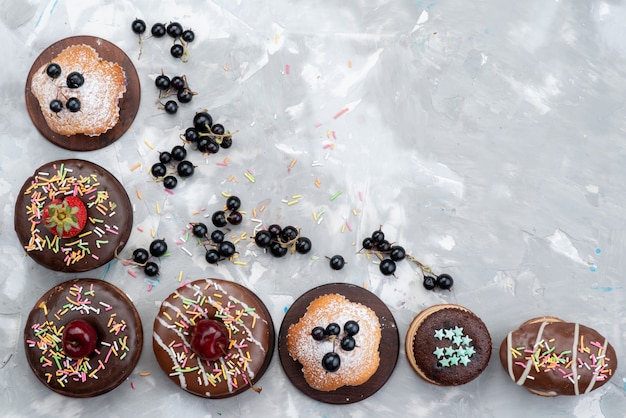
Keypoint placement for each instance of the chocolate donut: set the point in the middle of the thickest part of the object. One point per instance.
(448, 345)
(119, 342)
(109, 216)
(252, 338)
(551, 357)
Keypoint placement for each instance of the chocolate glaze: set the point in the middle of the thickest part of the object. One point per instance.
(425, 344)
(121, 221)
(120, 337)
(577, 370)
(172, 337)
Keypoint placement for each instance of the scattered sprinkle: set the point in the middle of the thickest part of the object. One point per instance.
(335, 196)
(135, 167)
(341, 112)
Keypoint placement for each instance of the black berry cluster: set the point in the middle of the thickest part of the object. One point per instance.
(182, 37)
(216, 246)
(389, 254)
(279, 241)
(175, 160)
(169, 87)
(331, 360)
(231, 215)
(206, 136)
(142, 257)
(73, 81)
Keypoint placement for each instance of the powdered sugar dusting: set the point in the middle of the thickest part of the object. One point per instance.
(358, 365)
(105, 84)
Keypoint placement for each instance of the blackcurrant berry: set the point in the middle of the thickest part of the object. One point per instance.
(303, 245)
(218, 129)
(191, 134)
(274, 230)
(138, 26)
(263, 239)
(318, 333)
(387, 267)
(333, 329)
(429, 282)
(397, 253)
(151, 269)
(227, 142)
(217, 236)
(184, 95)
(170, 107)
(288, 234)
(158, 30)
(170, 182)
(278, 250)
(185, 169)
(158, 247)
(351, 327)
(165, 157)
(383, 246)
(219, 219)
(73, 104)
(177, 50)
(53, 70)
(188, 35)
(140, 255)
(337, 262)
(226, 249)
(233, 203)
(348, 343)
(56, 105)
(378, 236)
(174, 29)
(234, 217)
(212, 147)
(179, 152)
(158, 170)
(177, 82)
(444, 281)
(203, 121)
(331, 362)
(368, 243)
(75, 80)
(212, 256)
(199, 230)
(162, 82)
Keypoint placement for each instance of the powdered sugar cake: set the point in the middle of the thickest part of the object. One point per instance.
(388, 348)
(357, 365)
(104, 86)
(108, 56)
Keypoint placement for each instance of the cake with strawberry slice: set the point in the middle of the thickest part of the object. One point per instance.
(72, 215)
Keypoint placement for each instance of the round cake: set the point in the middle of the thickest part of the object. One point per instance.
(249, 346)
(85, 88)
(448, 345)
(115, 321)
(108, 215)
(551, 357)
(318, 342)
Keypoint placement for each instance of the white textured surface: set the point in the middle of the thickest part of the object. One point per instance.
(488, 139)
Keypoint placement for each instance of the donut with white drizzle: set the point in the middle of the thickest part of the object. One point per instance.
(551, 357)
(251, 339)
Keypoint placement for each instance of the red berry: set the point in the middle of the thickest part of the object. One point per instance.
(209, 339)
(79, 339)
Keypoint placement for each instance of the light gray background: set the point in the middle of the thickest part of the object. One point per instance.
(487, 137)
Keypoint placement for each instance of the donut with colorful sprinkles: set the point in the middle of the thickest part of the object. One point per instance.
(550, 357)
(83, 314)
(236, 329)
(72, 216)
